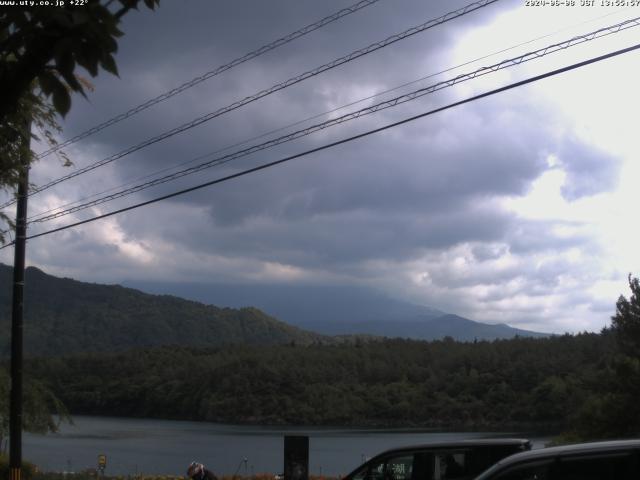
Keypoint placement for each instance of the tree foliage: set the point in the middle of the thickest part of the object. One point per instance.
(40, 50)
(523, 382)
(612, 410)
(34, 115)
(626, 321)
(42, 411)
(46, 44)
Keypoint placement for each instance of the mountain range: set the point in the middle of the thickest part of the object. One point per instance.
(63, 315)
(340, 310)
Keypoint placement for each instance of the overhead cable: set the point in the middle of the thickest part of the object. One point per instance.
(217, 71)
(351, 116)
(340, 142)
(292, 81)
(308, 119)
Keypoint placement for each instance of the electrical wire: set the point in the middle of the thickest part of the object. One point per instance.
(319, 115)
(292, 81)
(577, 40)
(223, 68)
(345, 140)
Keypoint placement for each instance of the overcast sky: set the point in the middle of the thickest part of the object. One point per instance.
(518, 208)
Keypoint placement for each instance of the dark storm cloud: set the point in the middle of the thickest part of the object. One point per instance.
(162, 50)
(353, 237)
(453, 175)
(436, 165)
(392, 197)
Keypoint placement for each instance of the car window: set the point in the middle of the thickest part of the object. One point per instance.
(528, 471)
(602, 467)
(450, 465)
(375, 471)
(399, 468)
(423, 466)
(391, 468)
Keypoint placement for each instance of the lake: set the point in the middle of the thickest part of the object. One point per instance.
(135, 446)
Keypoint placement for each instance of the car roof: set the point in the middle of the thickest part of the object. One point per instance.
(479, 442)
(563, 450)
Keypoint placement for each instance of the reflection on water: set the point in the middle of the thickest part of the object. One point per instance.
(167, 447)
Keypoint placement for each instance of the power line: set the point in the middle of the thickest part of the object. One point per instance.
(292, 81)
(577, 40)
(319, 115)
(345, 140)
(223, 68)
(372, 109)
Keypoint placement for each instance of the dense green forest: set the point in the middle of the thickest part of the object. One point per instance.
(522, 382)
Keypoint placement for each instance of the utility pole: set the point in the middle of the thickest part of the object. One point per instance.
(15, 414)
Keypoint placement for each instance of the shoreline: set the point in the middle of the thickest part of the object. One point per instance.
(161, 447)
(546, 429)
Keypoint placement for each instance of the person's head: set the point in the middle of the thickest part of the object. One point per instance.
(195, 469)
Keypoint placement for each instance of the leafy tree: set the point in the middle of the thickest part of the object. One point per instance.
(46, 44)
(613, 409)
(42, 410)
(40, 48)
(626, 321)
(35, 110)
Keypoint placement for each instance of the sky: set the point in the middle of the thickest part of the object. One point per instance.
(516, 208)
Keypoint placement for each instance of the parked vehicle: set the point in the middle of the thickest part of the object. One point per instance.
(612, 460)
(462, 459)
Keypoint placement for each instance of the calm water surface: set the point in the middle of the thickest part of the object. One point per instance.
(167, 447)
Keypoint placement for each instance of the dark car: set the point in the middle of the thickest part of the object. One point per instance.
(612, 460)
(462, 460)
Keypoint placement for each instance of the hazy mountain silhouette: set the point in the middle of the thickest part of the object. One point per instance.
(343, 310)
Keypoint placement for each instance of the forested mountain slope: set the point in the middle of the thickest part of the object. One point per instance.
(67, 316)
